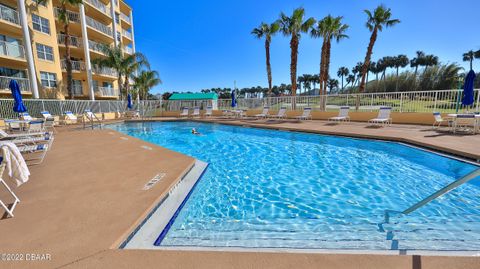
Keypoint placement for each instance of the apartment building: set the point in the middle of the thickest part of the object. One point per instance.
(32, 47)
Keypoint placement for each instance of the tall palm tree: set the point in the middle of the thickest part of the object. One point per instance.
(350, 79)
(430, 60)
(145, 81)
(470, 56)
(357, 71)
(131, 64)
(381, 17)
(294, 26)
(64, 19)
(267, 31)
(343, 72)
(328, 28)
(301, 82)
(418, 61)
(332, 84)
(400, 61)
(315, 80)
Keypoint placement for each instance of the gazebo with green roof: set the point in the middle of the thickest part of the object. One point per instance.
(201, 100)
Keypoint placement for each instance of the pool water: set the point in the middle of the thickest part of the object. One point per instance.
(277, 189)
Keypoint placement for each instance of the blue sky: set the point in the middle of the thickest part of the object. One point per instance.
(204, 44)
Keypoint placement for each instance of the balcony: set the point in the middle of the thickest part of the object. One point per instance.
(74, 41)
(24, 84)
(105, 71)
(106, 92)
(12, 50)
(99, 6)
(99, 26)
(77, 66)
(72, 16)
(9, 15)
(125, 18)
(96, 46)
(128, 50)
(77, 90)
(127, 34)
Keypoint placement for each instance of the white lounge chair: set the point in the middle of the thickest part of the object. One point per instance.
(307, 114)
(282, 114)
(209, 112)
(342, 115)
(70, 117)
(47, 116)
(91, 116)
(264, 113)
(8, 208)
(26, 116)
(37, 152)
(184, 112)
(383, 117)
(437, 116)
(49, 123)
(196, 112)
(6, 136)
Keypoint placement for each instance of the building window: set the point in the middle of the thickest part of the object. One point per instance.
(45, 52)
(117, 18)
(40, 24)
(119, 37)
(8, 72)
(49, 80)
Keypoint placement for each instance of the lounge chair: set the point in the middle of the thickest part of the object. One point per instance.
(209, 112)
(342, 115)
(132, 114)
(91, 116)
(7, 136)
(40, 150)
(70, 117)
(49, 123)
(26, 116)
(184, 112)
(264, 113)
(439, 120)
(8, 208)
(47, 116)
(196, 112)
(383, 117)
(307, 114)
(282, 114)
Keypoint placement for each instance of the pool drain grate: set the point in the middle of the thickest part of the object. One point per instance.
(153, 181)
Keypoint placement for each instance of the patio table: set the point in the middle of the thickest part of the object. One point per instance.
(475, 117)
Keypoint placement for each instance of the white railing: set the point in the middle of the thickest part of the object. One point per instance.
(12, 50)
(96, 46)
(59, 107)
(99, 5)
(128, 50)
(24, 83)
(72, 16)
(415, 101)
(127, 34)
(105, 71)
(76, 65)
(99, 26)
(9, 15)
(74, 40)
(125, 17)
(107, 92)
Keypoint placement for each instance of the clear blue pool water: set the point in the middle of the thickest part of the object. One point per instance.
(276, 189)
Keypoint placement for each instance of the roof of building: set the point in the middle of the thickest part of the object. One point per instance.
(194, 96)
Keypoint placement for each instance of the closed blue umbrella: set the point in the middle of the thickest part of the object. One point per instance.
(468, 89)
(234, 99)
(18, 106)
(129, 101)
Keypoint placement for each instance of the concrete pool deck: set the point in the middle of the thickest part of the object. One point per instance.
(87, 197)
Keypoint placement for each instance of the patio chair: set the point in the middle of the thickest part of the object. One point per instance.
(26, 116)
(6, 136)
(438, 120)
(282, 114)
(342, 115)
(383, 117)
(184, 112)
(8, 208)
(70, 117)
(307, 114)
(37, 152)
(47, 116)
(196, 112)
(49, 123)
(36, 126)
(264, 113)
(209, 112)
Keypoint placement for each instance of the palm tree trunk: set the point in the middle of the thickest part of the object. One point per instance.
(322, 66)
(293, 66)
(366, 83)
(342, 81)
(366, 64)
(120, 85)
(396, 85)
(327, 64)
(68, 60)
(269, 68)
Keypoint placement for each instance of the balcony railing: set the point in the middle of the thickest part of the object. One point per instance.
(106, 92)
(77, 90)
(24, 83)
(99, 5)
(127, 34)
(95, 46)
(12, 50)
(125, 17)
(76, 65)
(75, 41)
(128, 50)
(99, 26)
(105, 71)
(72, 16)
(9, 15)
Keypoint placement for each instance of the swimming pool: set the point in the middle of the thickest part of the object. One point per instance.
(277, 189)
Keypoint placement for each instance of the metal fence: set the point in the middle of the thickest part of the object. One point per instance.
(59, 107)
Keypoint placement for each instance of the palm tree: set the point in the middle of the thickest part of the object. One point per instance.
(131, 64)
(328, 28)
(332, 84)
(146, 80)
(63, 19)
(343, 72)
(418, 61)
(350, 79)
(315, 80)
(267, 31)
(470, 56)
(307, 82)
(294, 26)
(381, 17)
(400, 62)
(301, 82)
(430, 60)
(357, 71)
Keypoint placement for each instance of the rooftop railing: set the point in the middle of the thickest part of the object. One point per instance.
(76, 65)
(75, 41)
(72, 16)
(99, 5)
(12, 50)
(24, 83)
(9, 15)
(99, 26)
